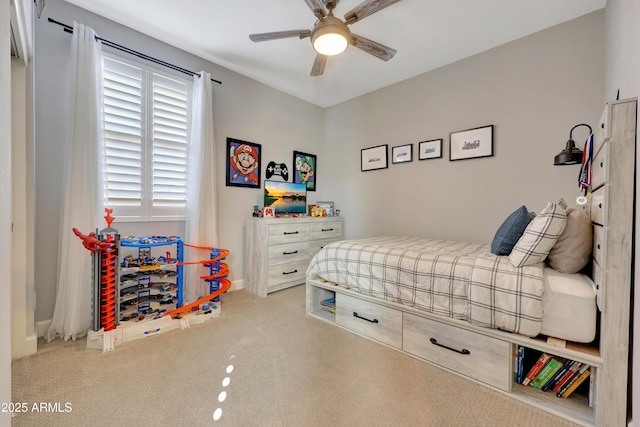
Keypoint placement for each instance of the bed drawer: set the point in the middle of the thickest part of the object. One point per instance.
(477, 356)
(381, 323)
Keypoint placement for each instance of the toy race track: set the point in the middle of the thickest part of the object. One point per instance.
(226, 284)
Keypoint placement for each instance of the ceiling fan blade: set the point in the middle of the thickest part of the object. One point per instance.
(366, 8)
(317, 8)
(279, 35)
(318, 65)
(374, 48)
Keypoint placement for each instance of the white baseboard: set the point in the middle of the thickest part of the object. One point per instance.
(25, 347)
(43, 326)
(237, 285)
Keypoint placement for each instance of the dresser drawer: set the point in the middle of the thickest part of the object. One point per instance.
(477, 356)
(599, 205)
(288, 252)
(287, 273)
(599, 238)
(599, 171)
(316, 245)
(381, 323)
(325, 230)
(288, 233)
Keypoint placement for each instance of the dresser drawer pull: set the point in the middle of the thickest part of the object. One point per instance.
(435, 342)
(290, 232)
(364, 318)
(289, 253)
(327, 229)
(290, 272)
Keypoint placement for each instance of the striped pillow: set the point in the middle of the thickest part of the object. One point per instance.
(540, 236)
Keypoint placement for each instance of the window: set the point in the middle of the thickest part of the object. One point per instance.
(146, 130)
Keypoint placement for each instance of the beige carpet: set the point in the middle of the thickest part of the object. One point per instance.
(282, 367)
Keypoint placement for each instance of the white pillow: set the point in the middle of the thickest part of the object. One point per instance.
(540, 236)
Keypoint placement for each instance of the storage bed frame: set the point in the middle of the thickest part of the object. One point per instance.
(486, 356)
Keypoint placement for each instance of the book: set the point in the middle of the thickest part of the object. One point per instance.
(546, 373)
(567, 376)
(558, 375)
(583, 368)
(579, 379)
(329, 304)
(518, 370)
(542, 360)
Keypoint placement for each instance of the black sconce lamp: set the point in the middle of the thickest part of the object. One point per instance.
(571, 155)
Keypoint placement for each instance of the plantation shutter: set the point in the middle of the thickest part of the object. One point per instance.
(146, 128)
(123, 121)
(169, 142)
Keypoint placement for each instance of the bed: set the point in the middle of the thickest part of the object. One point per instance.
(471, 281)
(558, 281)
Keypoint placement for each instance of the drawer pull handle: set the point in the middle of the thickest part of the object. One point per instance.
(290, 272)
(435, 342)
(289, 253)
(364, 318)
(290, 232)
(327, 229)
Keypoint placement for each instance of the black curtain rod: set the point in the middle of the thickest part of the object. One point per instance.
(69, 29)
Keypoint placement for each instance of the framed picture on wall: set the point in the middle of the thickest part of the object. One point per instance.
(374, 158)
(402, 153)
(243, 163)
(430, 149)
(305, 166)
(471, 143)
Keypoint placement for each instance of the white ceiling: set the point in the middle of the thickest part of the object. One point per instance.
(426, 33)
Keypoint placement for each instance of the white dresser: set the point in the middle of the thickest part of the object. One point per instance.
(279, 249)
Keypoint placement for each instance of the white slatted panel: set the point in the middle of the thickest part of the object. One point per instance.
(123, 122)
(170, 138)
(146, 125)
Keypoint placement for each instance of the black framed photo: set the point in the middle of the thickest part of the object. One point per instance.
(402, 153)
(430, 149)
(243, 163)
(304, 169)
(374, 158)
(471, 143)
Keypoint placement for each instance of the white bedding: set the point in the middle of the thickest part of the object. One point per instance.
(569, 306)
(465, 281)
(455, 279)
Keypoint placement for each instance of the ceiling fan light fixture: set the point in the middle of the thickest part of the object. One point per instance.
(330, 36)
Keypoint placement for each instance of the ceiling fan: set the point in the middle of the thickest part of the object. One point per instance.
(331, 35)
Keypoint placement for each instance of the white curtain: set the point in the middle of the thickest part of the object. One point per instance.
(201, 221)
(83, 199)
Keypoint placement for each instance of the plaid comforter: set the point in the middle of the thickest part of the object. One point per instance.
(454, 279)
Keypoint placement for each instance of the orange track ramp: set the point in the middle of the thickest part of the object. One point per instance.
(226, 284)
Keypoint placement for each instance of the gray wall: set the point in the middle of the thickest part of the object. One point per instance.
(243, 109)
(532, 90)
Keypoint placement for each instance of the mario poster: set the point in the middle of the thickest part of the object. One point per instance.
(243, 163)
